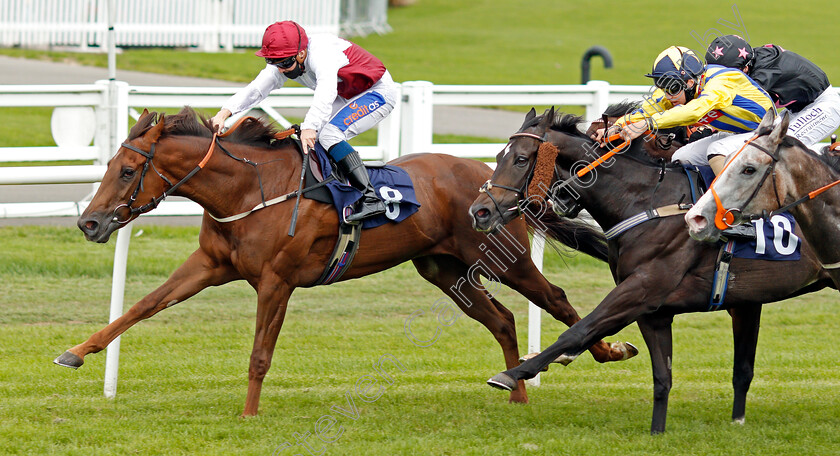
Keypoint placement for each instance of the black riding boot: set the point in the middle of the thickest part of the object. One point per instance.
(745, 231)
(370, 205)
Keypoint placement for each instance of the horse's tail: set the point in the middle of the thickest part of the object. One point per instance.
(578, 235)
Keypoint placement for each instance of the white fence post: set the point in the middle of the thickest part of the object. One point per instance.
(417, 116)
(112, 359)
(388, 135)
(600, 99)
(534, 312)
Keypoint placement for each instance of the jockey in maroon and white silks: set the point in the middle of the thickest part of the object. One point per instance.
(353, 92)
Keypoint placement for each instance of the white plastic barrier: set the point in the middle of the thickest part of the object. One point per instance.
(205, 24)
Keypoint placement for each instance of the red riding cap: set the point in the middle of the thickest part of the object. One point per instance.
(283, 39)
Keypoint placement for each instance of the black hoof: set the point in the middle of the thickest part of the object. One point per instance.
(502, 381)
(68, 359)
(632, 350)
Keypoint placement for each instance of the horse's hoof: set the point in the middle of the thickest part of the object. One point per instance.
(524, 358)
(740, 421)
(627, 350)
(68, 359)
(502, 381)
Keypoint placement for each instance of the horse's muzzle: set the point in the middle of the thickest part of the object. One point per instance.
(97, 228)
(482, 218)
(700, 228)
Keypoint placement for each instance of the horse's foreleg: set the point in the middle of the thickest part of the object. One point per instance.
(621, 307)
(553, 300)
(657, 333)
(273, 298)
(745, 324)
(196, 274)
(448, 273)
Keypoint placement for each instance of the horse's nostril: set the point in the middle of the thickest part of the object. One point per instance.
(482, 213)
(697, 222)
(88, 226)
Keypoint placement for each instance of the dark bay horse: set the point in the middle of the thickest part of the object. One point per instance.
(659, 270)
(160, 153)
(772, 172)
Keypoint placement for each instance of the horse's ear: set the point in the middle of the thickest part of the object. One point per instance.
(530, 116)
(154, 133)
(766, 122)
(780, 130)
(548, 118)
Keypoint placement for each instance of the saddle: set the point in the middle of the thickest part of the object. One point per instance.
(324, 183)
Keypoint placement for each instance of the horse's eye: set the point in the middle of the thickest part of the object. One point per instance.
(127, 173)
(521, 160)
(748, 171)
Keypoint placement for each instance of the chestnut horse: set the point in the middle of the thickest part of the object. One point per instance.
(659, 270)
(771, 174)
(438, 239)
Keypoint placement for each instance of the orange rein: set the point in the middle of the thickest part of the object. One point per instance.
(279, 135)
(620, 148)
(723, 217)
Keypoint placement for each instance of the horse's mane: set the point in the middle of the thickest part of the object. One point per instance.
(622, 108)
(252, 131)
(568, 124)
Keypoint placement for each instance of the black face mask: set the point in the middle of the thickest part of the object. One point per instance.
(294, 74)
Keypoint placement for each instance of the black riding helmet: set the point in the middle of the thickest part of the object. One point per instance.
(730, 51)
(673, 67)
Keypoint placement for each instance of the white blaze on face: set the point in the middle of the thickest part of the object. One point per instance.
(506, 150)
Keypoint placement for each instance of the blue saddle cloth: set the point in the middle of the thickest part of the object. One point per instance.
(775, 239)
(392, 184)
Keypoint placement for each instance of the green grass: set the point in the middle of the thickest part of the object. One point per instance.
(183, 373)
(534, 42)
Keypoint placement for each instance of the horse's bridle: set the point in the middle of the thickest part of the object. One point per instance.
(725, 218)
(150, 155)
(520, 192)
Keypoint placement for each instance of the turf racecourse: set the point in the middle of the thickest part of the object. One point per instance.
(183, 373)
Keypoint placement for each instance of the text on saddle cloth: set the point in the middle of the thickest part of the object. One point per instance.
(393, 185)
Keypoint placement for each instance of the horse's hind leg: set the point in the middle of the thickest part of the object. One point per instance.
(194, 275)
(448, 273)
(745, 324)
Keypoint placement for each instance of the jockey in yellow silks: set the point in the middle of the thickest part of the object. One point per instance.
(688, 93)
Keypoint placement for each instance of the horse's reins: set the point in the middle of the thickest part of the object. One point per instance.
(155, 202)
(725, 218)
(521, 191)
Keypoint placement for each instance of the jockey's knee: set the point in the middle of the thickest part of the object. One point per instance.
(330, 135)
(717, 148)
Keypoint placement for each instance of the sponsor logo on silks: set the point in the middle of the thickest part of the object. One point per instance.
(709, 117)
(802, 120)
(357, 109)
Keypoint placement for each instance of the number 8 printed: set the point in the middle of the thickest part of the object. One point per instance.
(392, 199)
